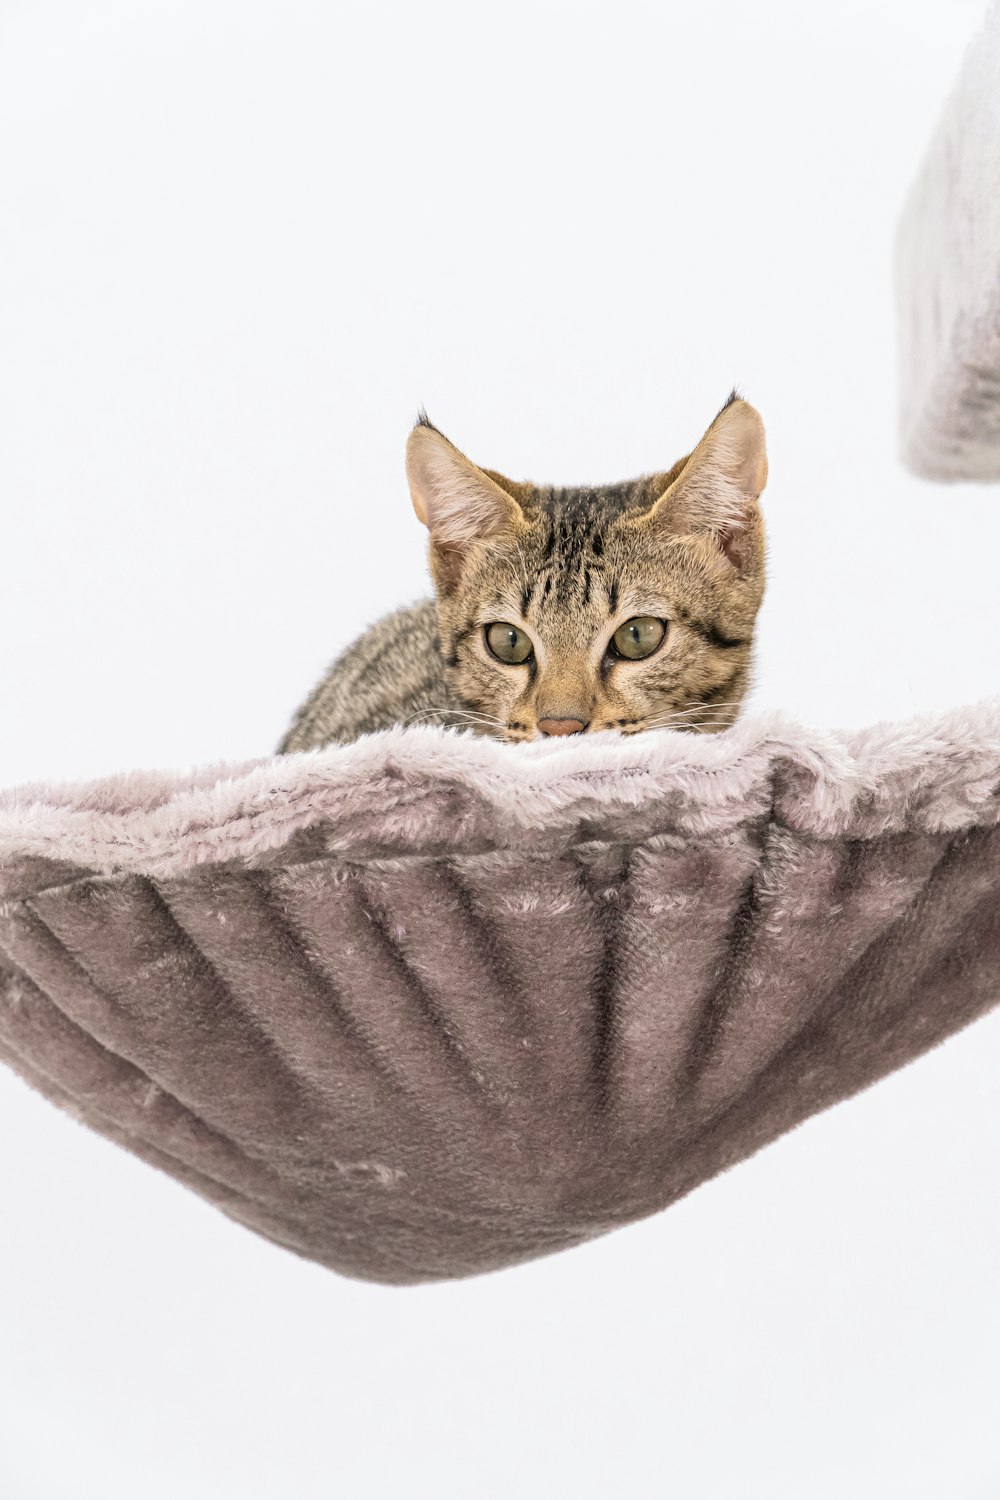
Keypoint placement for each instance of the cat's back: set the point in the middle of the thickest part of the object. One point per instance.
(390, 674)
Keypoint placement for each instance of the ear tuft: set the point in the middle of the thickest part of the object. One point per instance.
(423, 420)
(734, 395)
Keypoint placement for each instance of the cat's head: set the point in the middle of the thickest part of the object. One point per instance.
(622, 607)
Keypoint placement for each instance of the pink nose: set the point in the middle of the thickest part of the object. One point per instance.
(561, 726)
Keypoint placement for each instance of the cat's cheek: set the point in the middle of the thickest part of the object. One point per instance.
(614, 707)
(517, 709)
(481, 686)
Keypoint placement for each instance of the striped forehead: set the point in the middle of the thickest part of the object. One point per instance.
(572, 545)
(585, 506)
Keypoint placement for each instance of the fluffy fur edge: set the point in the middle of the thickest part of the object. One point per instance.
(933, 773)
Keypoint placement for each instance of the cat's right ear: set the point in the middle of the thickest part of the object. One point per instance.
(458, 503)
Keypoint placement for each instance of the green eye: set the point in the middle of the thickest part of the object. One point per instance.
(508, 643)
(638, 637)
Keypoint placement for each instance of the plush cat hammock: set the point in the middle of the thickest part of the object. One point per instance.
(428, 1005)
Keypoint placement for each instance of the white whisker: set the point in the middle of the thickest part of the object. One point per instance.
(692, 719)
(463, 715)
(715, 710)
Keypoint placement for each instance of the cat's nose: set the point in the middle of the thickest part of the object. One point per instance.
(561, 726)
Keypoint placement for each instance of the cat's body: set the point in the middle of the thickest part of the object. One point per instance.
(393, 674)
(625, 607)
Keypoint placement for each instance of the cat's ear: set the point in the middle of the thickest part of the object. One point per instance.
(714, 490)
(457, 502)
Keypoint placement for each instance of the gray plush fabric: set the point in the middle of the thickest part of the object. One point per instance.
(948, 281)
(428, 1005)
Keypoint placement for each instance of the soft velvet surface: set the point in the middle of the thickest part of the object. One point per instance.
(428, 1005)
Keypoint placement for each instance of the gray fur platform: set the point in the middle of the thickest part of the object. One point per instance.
(427, 1005)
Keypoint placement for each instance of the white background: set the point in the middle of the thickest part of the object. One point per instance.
(239, 244)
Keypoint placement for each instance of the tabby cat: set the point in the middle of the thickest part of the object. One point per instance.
(558, 611)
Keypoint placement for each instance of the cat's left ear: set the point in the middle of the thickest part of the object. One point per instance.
(714, 491)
